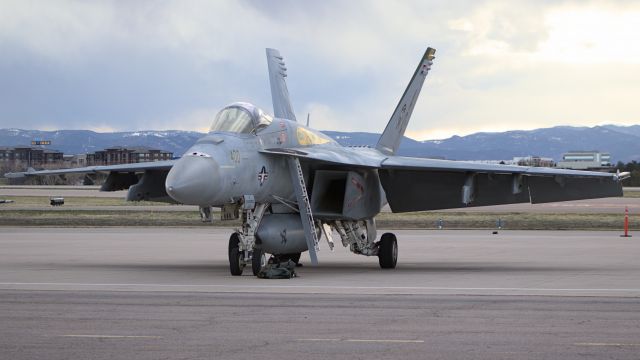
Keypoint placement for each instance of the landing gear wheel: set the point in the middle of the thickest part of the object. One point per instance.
(258, 260)
(236, 257)
(388, 251)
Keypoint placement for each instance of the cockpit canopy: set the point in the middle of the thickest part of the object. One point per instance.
(242, 118)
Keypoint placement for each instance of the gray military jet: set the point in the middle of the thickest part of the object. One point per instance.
(291, 185)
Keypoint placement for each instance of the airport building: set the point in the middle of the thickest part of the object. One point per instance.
(586, 160)
(126, 155)
(38, 157)
(30, 156)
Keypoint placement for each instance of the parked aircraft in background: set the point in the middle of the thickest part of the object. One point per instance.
(292, 185)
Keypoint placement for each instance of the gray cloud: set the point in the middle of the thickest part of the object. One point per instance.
(170, 64)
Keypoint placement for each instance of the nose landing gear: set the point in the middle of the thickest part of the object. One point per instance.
(258, 260)
(243, 249)
(237, 260)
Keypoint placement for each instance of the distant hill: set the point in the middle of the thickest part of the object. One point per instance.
(623, 142)
(83, 141)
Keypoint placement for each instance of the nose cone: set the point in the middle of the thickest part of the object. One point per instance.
(193, 180)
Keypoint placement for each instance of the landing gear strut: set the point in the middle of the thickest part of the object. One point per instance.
(388, 251)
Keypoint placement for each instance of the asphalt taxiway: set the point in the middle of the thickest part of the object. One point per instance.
(166, 293)
(430, 262)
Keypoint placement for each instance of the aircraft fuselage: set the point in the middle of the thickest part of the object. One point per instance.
(221, 167)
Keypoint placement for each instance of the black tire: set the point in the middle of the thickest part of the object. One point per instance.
(257, 261)
(388, 251)
(235, 265)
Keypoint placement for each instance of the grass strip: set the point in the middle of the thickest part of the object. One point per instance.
(513, 221)
(631, 194)
(80, 218)
(418, 220)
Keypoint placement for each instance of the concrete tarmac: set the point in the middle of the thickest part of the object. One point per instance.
(176, 325)
(470, 262)
(121, 293)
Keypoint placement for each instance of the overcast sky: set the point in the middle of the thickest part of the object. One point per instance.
(500, 65)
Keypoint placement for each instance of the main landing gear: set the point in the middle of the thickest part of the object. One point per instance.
(360, 237)
(388, 251)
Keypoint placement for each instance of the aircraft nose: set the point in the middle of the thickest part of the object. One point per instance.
(192, 180)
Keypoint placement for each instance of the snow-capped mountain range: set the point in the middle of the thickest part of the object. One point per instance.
(623, 142)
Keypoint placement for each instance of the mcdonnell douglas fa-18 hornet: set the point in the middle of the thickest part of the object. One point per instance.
(292, 185)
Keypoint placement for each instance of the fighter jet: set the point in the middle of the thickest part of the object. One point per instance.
(292, 185)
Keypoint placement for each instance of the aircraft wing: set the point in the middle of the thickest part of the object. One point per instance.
(121, 168)
(145, 181)
(416, 184)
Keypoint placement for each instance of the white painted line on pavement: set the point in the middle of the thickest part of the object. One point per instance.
(605, 344)
(385, 341)
(337, 287)
(397, 341)
(111, 336)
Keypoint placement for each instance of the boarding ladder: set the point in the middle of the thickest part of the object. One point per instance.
(310, 234)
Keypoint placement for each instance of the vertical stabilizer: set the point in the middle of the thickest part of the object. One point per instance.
(393, 133)
(279, 94)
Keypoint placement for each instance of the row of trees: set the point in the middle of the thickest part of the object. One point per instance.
(632, 167)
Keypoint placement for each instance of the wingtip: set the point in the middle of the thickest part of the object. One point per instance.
(623, 175)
